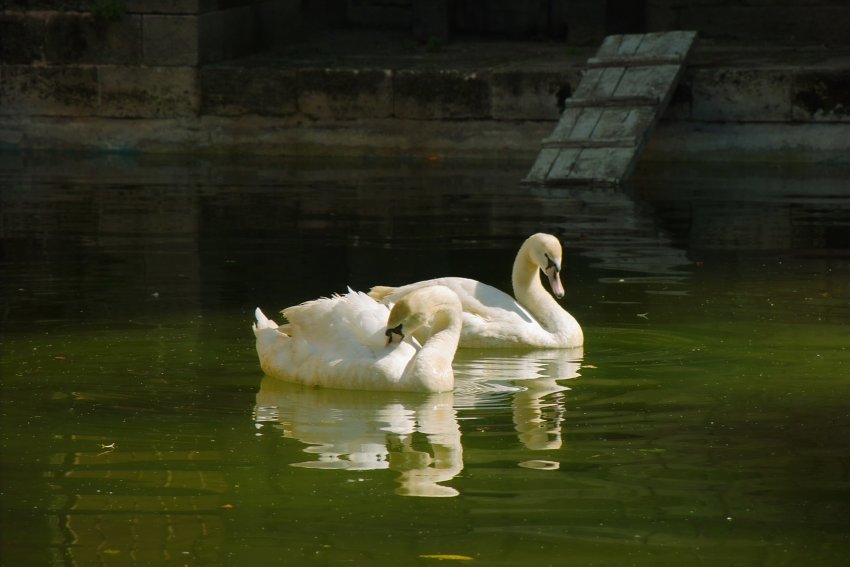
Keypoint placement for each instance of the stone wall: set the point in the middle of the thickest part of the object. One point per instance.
(161, 75)
(63, 58)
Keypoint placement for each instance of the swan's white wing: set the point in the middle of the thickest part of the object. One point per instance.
(340, 342)
(477, 298)
(366, 319)
(491, 303)
(335, 342)
(351, 324)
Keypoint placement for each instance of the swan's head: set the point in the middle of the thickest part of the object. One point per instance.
(545, 251)
(419, 308)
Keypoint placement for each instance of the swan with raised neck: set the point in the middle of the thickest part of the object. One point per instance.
(494, 319)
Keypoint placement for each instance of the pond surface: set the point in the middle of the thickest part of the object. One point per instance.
(706, 421)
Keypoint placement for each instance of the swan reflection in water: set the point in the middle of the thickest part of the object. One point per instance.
(360, 430)
(418, 435)
(533, 378)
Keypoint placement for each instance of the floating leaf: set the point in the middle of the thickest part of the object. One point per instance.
(447, 557)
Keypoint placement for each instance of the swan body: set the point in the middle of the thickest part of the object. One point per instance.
(348, 341)
(494, 319)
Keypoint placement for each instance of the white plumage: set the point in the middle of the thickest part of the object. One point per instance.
(494, 319)
(341, 342)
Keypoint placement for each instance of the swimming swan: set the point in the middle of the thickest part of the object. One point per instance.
(493, 319)
(353, 342)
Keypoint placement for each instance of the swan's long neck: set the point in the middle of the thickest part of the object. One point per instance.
(530, 293)
(432, 365)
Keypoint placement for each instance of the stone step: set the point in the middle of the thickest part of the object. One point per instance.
(723, 83)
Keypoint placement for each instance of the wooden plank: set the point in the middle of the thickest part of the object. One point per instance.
(607, 165)
(623, 123)
(636, 61)
(673, 44)
(647, 81)
(542, 165)
(603, 102)
(576, 123)
(592, 143)
(605, 125)
(600, 82)
(610, 46)
(567, 122)
(630, 44)
(562, 168)
(586, 124)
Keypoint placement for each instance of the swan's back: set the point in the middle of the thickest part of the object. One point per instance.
(348, 321)
(341, 342)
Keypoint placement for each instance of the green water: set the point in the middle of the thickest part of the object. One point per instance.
(707, 420)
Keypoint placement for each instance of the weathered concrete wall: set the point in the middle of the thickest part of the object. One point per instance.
(161, 78)
(340, 94)
(61, 58)
(759, 85)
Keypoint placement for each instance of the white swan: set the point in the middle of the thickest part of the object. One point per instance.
(347, 341)
(493, 319)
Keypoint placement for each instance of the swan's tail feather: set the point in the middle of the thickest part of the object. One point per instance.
(380, 292)
(263, 322)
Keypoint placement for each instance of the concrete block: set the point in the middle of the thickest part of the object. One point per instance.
(171, 40)
(148, 92)
(440, 94)
(235, 91)
(529, 95)
(345, 94)
(751, 95)
(820, 96)
(81, 38)
(21, 38)
(48, 91)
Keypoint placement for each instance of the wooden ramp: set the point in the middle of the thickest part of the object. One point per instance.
(607, 122)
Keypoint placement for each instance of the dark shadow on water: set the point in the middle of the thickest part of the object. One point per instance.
(167, 232)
